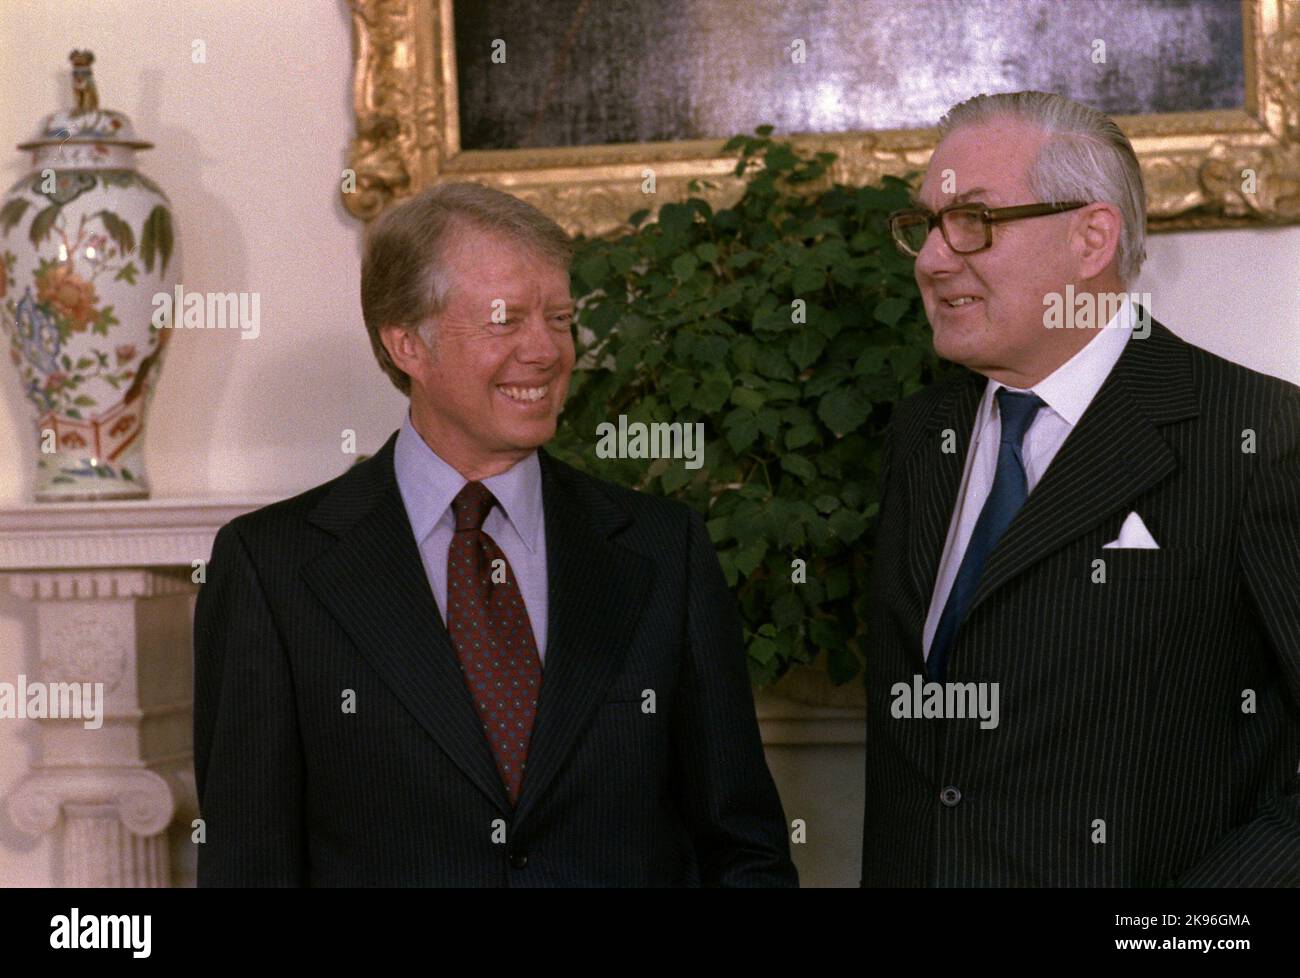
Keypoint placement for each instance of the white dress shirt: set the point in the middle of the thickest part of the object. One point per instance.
(1066, 394)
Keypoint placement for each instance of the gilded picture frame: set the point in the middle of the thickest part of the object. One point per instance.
(408, 137)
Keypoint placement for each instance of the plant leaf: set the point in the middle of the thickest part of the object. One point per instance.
(43, 223)
(800, 466)
(12, 213)
(119, 231)
(843, 410)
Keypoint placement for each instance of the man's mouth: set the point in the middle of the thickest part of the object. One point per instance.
(524, 395)
(958, 301)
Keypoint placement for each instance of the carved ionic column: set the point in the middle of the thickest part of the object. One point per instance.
(113, 823)
(112, 589)
(107, 783)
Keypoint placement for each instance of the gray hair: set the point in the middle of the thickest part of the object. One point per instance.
(1087, 157)
(404, 278)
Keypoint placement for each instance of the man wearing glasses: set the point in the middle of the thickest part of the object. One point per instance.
(1094, 527)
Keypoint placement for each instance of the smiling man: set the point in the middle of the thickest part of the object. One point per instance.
(1094, 520)
(463, 663)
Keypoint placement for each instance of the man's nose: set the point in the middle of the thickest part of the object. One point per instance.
(935, 257)
(538, 343)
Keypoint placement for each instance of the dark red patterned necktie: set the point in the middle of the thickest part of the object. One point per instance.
(489, 626)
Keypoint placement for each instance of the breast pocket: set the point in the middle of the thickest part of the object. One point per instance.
(630, 694)
(1171, 563)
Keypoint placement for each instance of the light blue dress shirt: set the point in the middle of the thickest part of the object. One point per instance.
(516, 523)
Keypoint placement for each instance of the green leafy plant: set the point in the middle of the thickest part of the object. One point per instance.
(789, 326)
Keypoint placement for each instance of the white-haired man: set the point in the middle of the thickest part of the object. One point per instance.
(1098, 528)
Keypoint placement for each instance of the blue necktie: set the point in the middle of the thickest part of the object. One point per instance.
(1010, 488)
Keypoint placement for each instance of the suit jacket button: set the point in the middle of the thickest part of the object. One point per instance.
(519, 859)
(950, 796)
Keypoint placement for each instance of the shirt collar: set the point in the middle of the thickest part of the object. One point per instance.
(1070, 388)
(428, 485)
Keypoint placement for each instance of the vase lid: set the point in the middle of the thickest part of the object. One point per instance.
(86, 122)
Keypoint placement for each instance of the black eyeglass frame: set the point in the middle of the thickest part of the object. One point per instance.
(991, 216)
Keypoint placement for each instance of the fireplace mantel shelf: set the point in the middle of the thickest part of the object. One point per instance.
(165, 532)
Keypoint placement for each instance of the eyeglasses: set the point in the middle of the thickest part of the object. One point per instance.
(967, 228)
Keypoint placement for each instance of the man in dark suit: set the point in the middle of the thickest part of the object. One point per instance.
(1084, 666)
(464, 663)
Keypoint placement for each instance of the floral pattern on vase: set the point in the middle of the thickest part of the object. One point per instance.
(85, 244)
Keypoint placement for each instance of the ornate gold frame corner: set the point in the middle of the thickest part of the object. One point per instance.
(408, 137)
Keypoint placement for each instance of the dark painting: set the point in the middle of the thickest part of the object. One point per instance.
(591, 72)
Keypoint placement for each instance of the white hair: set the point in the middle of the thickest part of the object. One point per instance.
(1087, 157)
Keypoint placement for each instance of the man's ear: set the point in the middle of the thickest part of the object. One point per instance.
(1098, 232)
(405, 348)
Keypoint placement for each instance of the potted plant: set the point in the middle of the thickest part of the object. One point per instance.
(789, 326)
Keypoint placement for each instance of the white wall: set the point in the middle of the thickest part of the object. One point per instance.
(1236, 293)
(250, 147)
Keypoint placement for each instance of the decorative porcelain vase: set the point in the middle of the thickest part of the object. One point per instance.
(86, 242)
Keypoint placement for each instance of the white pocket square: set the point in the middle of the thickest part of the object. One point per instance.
(1133, 535)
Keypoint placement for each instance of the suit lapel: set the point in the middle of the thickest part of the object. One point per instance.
(596, 590)
(373, 582)
(934, 478)
(1114, 454)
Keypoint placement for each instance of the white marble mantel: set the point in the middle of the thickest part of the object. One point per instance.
(132, 533)
(113, 584)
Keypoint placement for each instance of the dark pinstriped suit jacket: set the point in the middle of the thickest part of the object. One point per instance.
(325, 592)
(1122, 701)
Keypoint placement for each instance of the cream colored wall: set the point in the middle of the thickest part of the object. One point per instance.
(250, 146)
